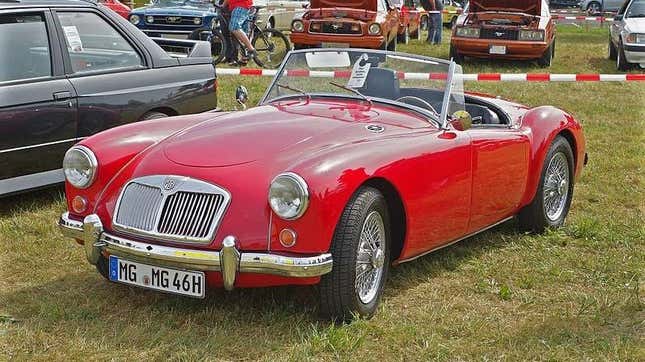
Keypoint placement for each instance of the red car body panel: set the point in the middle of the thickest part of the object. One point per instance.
(409, 18)
(117, 6)
(450, 183)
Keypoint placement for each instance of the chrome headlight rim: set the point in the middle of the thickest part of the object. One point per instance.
(303, 189)
(197, 20)
(150, 19)
(92, 161)
(135, 19)
(300, 24)
(377, 28)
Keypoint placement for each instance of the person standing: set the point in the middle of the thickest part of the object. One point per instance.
(239, 25)
(437, 23)
(428, 5)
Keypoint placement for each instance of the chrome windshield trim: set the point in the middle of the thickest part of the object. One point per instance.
(445, 106)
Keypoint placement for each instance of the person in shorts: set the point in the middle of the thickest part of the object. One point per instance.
(239, 25)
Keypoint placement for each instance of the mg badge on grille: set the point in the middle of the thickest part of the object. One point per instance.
(169, 184)
(499, 34)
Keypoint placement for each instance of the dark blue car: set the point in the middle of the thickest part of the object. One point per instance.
(187, 19)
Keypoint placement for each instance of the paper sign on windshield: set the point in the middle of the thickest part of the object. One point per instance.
(73, 38)
(359, 73)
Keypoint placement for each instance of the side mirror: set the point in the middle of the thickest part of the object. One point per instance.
(461, 121)
(242, 96)
(618, 18)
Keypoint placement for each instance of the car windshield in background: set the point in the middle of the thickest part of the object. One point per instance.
(636, 9)
(195, 3)
(409, 81)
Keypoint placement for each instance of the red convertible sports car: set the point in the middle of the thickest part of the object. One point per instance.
(354, 161)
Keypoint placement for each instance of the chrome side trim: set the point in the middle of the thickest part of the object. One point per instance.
(35, 180)
(229, 260)
(42, 145)
(452, 242)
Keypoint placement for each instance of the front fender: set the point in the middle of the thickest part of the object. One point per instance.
(543, 124)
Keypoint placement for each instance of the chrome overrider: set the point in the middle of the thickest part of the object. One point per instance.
(229, 260)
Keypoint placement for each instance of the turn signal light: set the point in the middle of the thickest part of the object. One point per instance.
(79, 204)
(288, 238)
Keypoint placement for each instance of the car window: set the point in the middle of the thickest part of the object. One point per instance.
(94, 45)
(24, 47)
(636, 9)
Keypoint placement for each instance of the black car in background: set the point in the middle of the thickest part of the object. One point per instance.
(71, 68)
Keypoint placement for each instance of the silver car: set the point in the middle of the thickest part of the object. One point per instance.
(598, 6)
(627, 35)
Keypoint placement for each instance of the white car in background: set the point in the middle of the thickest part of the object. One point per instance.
(278, 14)
(594, 7)
(627, 35)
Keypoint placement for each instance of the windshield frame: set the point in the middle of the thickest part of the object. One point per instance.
(440, 122)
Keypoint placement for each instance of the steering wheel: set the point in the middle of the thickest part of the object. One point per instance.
(411, 100)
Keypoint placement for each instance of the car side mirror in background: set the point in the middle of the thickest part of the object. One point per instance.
(618, 18)
(461, 120)
(242, 96)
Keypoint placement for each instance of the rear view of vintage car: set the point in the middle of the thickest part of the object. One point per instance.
(505, 29)
(354, 160)
(371, 24)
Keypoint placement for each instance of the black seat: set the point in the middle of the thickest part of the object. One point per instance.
(381, 83)
(484, 114)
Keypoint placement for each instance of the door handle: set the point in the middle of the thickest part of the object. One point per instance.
(61, 96)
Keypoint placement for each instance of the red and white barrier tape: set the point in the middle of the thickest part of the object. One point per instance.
(482, 77)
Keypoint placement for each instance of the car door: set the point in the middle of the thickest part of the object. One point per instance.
(617, 26)
(500, 170)
(106, 68)
(613, 5)
(38, 107)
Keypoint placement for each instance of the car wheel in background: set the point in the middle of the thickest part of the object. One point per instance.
(272, 47)
(103, 268)
(613, 54)
(453, 22)
(392, 46)
(361, 253)
(417, 34)
(594, 8)
(547, 58)
(455, 56)
(552, 200)
(405, 37)
(153, 115)
(621, 62)
(423, 25)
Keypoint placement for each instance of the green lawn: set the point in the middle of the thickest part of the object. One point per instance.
(570, 294)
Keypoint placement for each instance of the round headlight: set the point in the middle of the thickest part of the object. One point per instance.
(374, 29)
(297, 26)
(134, 19)
(150, 19)
(289, 196)
(80, 166)
(197, 21)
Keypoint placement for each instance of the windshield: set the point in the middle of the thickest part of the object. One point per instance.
(409, 81)
(636, 9)
(195, 3)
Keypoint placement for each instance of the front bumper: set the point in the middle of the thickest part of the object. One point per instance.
(354, 41)
(635, 53)
(229, 260)
(520, 50)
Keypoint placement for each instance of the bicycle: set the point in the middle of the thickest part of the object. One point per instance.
(270, 44)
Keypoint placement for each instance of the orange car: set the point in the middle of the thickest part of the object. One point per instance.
(409, 22)
(351, 23)
(509, 29)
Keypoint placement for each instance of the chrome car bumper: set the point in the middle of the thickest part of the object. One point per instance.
(229, 260)
(635, 53)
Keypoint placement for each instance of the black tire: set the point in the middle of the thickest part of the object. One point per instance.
(272, 47)
(153, 115)
(613, 53)
(455, 56)
(405, 37)
(417, 34)
(594, 8)
(103, 268)
(392, 46)
(219, 46)
(339, 296)
(423, 25)
(534, 218)
(546, 59)
(453, 21)
(621, 62)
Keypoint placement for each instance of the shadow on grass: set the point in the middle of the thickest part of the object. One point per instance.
(31, 201)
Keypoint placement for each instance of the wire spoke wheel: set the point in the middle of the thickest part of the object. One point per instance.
(556, 186)
(272, 47)
(370, 258)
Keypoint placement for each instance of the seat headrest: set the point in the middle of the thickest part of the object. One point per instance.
(381, 83)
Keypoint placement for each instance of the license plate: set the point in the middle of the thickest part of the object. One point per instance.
(174, 281)
(335, 45)
(174, 36)
(497, 49)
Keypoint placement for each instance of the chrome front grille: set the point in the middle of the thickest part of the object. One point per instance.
(171, 208)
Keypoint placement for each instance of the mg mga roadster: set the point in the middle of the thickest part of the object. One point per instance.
(353, 161)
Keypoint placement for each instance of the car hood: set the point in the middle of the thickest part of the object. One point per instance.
(354, 4)
(281, 132)
(341, 13)
(533, 7)
(176, 10)
(635, 25)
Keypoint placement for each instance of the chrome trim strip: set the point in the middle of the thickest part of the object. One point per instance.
(452, 242)
(229, 260)
(42, 145)
(35, 180)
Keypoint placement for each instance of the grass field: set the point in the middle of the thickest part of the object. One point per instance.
(571, 294)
